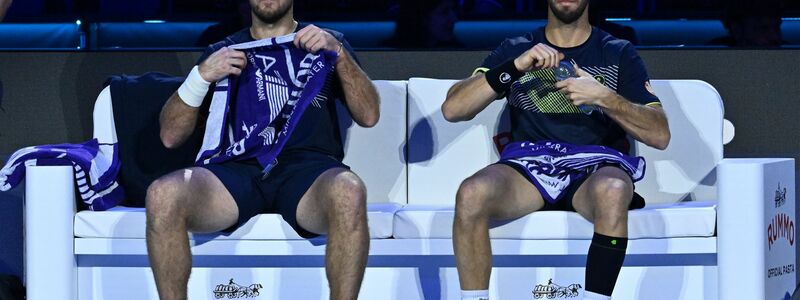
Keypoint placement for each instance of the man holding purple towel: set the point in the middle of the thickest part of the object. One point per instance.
(291, 165)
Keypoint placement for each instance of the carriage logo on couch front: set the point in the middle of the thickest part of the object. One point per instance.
(780, 196)
(232, 290)
(552, 290)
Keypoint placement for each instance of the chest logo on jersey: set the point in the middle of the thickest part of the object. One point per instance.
(600, 78)
(536, 91)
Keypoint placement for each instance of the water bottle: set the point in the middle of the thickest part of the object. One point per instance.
(566, 70)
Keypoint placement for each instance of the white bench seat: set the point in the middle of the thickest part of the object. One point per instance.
(129, 223)
(686, 219)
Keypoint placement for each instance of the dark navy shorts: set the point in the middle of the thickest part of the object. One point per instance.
(565, 202)
(280, 192)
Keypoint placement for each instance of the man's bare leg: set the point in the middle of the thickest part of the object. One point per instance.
(604, 199)
(186, 200)
(336, 204)
(497, 192)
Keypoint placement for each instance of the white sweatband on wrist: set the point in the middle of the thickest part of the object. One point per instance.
(194, 88)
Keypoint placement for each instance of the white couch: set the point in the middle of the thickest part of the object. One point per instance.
(703, 234)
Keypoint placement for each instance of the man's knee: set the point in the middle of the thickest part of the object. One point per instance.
(163, 198)
(348, 195)
(472, 197)
(612, 195)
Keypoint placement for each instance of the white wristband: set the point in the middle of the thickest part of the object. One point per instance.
(194, 88)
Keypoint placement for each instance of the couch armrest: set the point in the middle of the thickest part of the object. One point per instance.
(50, 271)
(755, 228)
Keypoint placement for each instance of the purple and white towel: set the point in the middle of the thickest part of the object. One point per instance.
(553, 166)
(253, 115)
(95, 166)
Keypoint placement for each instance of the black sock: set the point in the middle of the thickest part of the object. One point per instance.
(606, 255)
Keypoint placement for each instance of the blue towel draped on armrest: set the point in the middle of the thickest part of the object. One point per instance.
(95, 166)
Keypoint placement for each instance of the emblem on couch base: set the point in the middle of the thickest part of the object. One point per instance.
(552, 290)
(232, 290)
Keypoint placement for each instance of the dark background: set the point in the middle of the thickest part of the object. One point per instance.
(48, 96)
(348, 10)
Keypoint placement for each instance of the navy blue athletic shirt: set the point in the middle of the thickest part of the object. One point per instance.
(540, 112)
(318, 130)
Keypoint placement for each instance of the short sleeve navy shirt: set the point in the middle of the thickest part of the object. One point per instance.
(538, 111)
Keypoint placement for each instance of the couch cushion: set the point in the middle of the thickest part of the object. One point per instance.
(686, 169)
(381, 145)
(442, 154)
(685, 219)
(126, 222)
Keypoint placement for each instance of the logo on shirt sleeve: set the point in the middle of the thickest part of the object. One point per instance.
(505, 77)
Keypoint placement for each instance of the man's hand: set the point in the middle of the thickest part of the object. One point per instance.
(539, 57)
(585, 90)
(313, 39)
(222, 63)
(644, 123)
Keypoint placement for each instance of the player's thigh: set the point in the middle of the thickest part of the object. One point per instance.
(211, 206)
(508, 193)
(336, 190)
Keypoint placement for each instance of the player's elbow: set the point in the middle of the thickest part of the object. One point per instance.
(448, 114)
(662, 142)
(370, 120)
(451, 115)
(448, 111)
(169, 141)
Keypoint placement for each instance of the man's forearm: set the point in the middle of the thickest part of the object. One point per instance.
(360, 95)
(467, 98)
(647, 124)
(177, 120)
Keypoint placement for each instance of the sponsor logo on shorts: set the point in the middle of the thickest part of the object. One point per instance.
(781, 227)
(233, 290)
(552, 290)
(780, 196)
(505, 77)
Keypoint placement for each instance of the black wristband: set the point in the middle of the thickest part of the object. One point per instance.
(501, 77)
